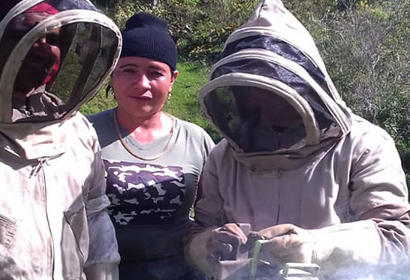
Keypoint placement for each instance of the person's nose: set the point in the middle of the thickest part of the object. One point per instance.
(143, 82)
(41, 41)
(41, 44)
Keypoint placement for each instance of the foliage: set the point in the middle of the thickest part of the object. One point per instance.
(198, 27)
(365, 47)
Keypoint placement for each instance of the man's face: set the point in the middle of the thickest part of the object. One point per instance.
(272, 109)
(43, 57)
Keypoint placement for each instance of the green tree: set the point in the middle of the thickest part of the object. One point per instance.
(365, 46)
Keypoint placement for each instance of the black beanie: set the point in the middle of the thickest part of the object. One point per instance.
(147, 36)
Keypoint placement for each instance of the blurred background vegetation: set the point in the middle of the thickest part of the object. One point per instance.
(364, 43)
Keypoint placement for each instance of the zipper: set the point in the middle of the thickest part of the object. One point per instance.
(279, 173)
(41, 163)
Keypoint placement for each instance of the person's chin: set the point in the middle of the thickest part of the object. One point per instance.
(142, 104)
(27, 80)
(35, 69)
(147, 110)
(138, 110)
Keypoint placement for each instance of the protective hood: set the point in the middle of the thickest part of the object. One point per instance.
(270, 95)
(54, 56)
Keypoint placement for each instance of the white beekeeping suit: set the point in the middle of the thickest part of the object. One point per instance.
(54, 56)
(317, 182)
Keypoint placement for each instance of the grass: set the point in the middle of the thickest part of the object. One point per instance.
(183, 102)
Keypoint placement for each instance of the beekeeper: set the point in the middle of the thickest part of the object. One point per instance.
(318, 183)
(53, 223)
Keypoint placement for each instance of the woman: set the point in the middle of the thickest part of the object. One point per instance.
(153, 160)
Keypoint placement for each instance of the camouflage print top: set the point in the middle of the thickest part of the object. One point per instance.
(151, 200)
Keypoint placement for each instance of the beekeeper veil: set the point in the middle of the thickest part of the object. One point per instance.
(270, 95)
(54, 56)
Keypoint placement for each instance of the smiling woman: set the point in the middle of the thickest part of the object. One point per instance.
(142, 83)
(153, 160)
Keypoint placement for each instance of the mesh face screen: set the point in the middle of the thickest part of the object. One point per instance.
(256, 120)
(67, 61)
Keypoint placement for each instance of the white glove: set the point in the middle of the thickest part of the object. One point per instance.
(334, 248)
(287, 243)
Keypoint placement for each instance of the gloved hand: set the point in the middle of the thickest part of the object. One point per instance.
(224, 242)
(287, 243)
(209, 247)
(335, 248)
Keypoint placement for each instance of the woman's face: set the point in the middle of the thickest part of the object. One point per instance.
(141, 85)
